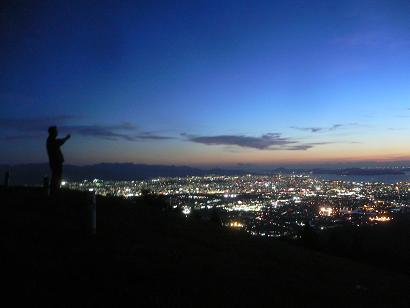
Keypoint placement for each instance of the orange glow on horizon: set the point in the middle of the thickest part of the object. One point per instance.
(220, 156)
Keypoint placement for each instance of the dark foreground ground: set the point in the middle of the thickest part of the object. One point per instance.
(144, 257)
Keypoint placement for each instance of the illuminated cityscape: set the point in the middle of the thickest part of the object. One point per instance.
(205, 153)
(271, 206)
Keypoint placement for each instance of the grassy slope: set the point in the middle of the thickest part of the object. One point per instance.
(145, 257)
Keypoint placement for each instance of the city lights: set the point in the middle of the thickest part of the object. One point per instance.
(380, 219)
(186, 211)
(236, 224)
(268, 205)
(326, 211)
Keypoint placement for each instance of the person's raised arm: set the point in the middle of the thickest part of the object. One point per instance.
(63, 140)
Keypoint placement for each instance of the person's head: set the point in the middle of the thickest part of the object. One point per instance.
(52, 131)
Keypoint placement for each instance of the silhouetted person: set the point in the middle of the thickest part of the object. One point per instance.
(55, 157)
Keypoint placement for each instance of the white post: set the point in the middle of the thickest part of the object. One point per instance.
(93, 211)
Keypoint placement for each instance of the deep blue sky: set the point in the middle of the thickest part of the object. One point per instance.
(206, 83)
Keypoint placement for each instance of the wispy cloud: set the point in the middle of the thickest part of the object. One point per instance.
(305, 146)
(124, 131)
(29, 128)
(263, 142)
(152, 136)
(310, 129)
(320, 129)
(269, 141)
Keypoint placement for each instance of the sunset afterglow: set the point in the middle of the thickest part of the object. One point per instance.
(221, 84)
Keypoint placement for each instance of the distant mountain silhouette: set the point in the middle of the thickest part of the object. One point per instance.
(345, 171)
(31, 174)
(359, 171)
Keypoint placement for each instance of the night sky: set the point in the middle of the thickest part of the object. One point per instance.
(206, 83)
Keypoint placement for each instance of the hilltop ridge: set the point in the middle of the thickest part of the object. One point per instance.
(147, 256)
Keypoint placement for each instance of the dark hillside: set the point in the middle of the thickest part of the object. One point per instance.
(386, 246)
(146, 256)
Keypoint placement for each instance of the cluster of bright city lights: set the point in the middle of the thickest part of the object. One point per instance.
(273, 206)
